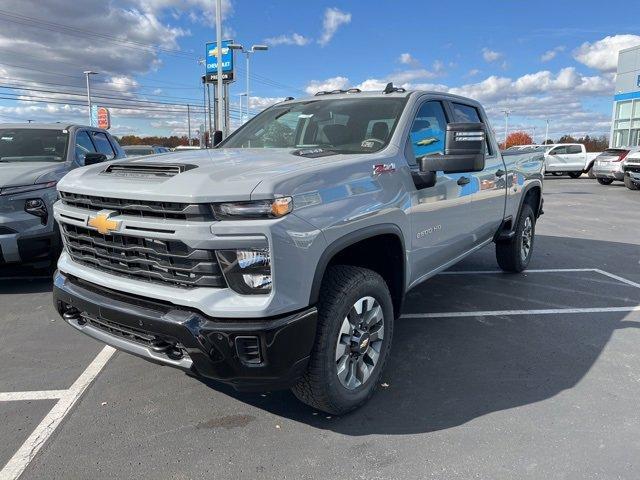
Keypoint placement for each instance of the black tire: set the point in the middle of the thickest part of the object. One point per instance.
(629, 184)
(605, 181)
(320, 386)
(509, 252)
(574, 174)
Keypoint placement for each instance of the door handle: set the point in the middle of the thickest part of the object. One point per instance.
(463, 181)
(499, 173)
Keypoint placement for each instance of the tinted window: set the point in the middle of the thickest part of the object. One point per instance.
(428, 129)
(84, 145)
(574, 149)
(466, 113)
(33, 145)
(103, 145)
(558, 151)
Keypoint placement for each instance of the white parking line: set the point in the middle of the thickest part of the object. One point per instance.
(35, 395)
(17, 464)
(501, 313)
(616, 277)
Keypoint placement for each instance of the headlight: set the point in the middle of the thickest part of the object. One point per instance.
(26, 188)
(258, 209)
(247, 271)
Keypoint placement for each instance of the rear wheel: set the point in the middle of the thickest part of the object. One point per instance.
(629, 184)
(574, 174)
(514, 255)
(355, 326)
(605, 181)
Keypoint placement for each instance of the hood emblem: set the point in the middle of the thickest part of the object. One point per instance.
(103, 223)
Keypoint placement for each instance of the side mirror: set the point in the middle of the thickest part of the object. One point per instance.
(92, 158)
(464, 150)
(217, 137)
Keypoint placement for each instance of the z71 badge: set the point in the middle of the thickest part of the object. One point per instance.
(384, 168)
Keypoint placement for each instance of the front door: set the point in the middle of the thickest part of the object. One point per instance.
(438, 214)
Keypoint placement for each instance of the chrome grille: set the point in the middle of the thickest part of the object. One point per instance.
(149, 259)
(141, 208)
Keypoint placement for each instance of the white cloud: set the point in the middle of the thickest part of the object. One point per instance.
(333, 19)
(551, 54)
(603, 54)
(472, 73)
(491, 55)
(334, 83)
(407, 59)
(293, 39)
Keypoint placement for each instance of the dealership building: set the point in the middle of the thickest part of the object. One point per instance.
(625, 125)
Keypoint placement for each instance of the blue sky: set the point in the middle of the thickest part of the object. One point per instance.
(540, 60)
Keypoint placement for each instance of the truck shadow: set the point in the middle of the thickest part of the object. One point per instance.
(16, 279)
(444, 372)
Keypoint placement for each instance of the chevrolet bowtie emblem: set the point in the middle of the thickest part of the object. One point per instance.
(103, 223)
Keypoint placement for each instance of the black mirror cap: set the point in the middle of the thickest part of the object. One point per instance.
(465, 139)
(464, 150)
(93, 157)
(217, 137)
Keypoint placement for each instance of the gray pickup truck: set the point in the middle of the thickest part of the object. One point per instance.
(33, 157)
(281, 258)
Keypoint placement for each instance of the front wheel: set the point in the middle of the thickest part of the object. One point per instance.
(574, 174)
(514, 255)
(629, 184)
(355, 326)
(605, 181)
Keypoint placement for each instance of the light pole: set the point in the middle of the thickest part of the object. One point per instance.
(546, 133)
(506, 126)
(87, 73)
(242, 117)
(219, 57)
(254, 49)
(203, 62)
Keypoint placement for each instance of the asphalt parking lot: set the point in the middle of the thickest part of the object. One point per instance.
(493, 376)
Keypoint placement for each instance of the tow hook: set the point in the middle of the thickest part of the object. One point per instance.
(72, 313)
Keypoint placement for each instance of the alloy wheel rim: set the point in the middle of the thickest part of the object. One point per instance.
(359, 343)
(527, 238)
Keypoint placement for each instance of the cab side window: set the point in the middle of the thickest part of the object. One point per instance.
(574, 149)
(558, 151)
(84, 145)
(468, 114)
(103, 145)
(428, 130)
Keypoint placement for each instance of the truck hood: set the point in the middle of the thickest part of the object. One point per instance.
(208, 175)
(14, 174)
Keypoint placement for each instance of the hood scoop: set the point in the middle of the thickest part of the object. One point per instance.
(147, 170)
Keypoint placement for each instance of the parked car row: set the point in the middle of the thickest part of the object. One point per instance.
(564, 158)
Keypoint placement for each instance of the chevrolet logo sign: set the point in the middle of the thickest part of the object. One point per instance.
(103, 223)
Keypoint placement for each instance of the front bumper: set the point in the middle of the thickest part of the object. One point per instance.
(608, 170)
(214, 348)
(634, 176)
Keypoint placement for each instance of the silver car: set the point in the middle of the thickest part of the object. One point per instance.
(33, 158)
(609, 165)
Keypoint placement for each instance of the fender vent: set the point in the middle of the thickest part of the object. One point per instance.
(154, 170)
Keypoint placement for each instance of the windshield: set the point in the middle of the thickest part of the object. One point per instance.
(33, 145)
(138, 151)
(353, 125)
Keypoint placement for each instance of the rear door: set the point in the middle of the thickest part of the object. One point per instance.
(574, 158)
(486, 189)
(554, 160)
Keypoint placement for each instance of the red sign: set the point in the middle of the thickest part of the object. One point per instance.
(104, 118)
